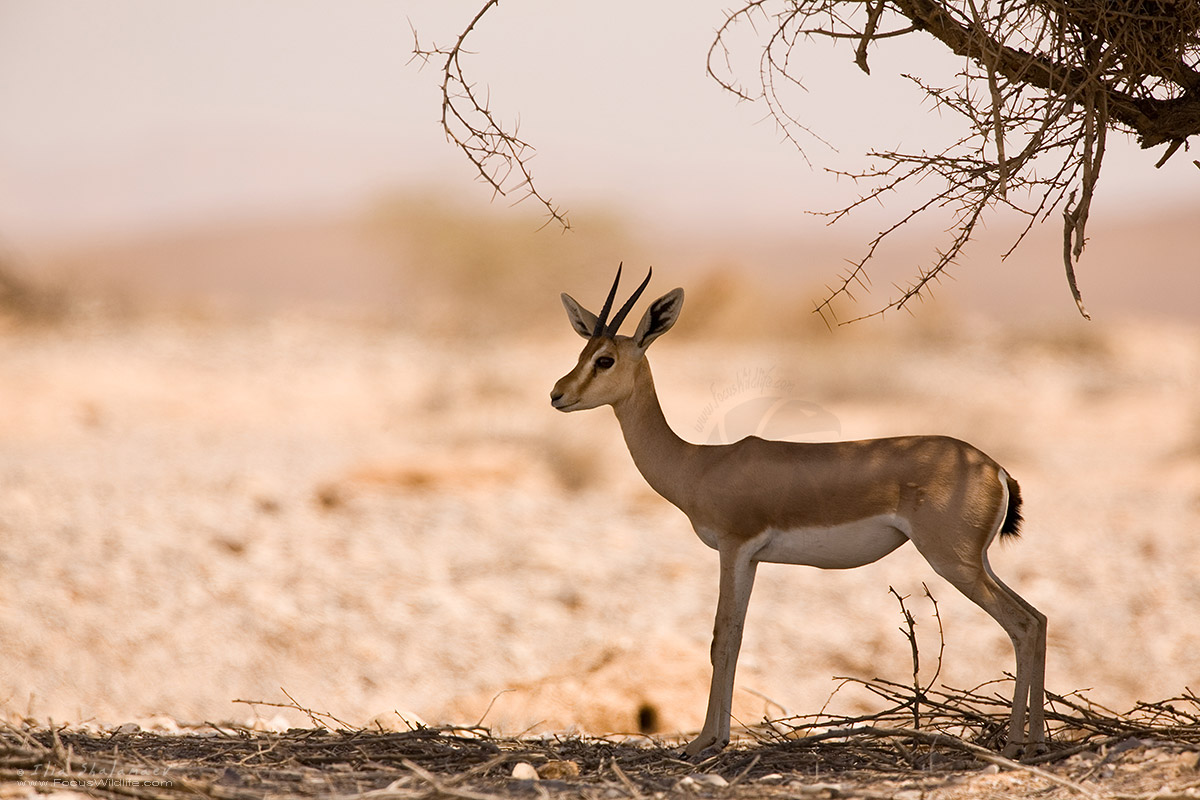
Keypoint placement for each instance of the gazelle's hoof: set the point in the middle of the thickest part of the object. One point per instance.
(1021, 751)
(701, 748)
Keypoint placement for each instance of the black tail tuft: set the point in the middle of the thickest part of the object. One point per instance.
(1012, 517)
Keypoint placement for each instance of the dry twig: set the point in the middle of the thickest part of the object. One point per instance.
(958, 731)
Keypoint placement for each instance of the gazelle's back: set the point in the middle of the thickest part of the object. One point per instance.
(796, 484)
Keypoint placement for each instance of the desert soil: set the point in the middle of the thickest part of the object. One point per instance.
(198, 515)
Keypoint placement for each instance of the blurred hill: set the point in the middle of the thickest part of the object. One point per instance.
(448, 267)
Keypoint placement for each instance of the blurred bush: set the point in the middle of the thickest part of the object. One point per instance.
(24, 301)
(473, 271)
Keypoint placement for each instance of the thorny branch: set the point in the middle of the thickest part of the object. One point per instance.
(1042, 82)
(499, 154)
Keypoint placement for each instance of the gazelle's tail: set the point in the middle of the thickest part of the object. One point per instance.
(1012, 517)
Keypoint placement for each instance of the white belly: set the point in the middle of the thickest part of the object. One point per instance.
(851, 544)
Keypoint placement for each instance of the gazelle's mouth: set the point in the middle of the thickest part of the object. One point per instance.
(562, 403)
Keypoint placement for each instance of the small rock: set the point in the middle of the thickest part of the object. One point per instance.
(704, 779)
(330, 497)
(524, 771)
(230, 777)
(1085, 759)
(1131, 743)
(558, 770)
(161, 723)
(276, 724)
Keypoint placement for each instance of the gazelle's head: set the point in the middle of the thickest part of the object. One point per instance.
(608, 364)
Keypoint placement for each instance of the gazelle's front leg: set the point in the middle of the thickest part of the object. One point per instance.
(737, 580)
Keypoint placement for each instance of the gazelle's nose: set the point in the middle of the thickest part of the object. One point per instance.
(555, 396)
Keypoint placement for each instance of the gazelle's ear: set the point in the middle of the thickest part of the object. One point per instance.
(582, 320)
(659, 318)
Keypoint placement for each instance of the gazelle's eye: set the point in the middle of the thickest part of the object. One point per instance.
(604, 362)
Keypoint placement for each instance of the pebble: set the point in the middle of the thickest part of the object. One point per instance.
(524, 771)
(558, 770)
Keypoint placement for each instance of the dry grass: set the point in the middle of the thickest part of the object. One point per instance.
(1094, 754)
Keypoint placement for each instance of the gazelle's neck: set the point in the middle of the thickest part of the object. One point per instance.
(659, 454)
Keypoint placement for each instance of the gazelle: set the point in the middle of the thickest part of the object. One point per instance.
(831, 505)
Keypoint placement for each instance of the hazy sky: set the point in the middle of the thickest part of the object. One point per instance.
(127, 115)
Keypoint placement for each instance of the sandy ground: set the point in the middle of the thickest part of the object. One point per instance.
(199, 512)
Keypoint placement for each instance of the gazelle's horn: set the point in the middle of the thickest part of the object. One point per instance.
(611, 330)
(607, 304)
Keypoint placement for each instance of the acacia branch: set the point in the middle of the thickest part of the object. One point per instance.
(1043, 82)
(500, 157)
(1154, 120)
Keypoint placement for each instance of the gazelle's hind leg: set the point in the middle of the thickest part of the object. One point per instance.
(1026, 627)
(958, 553)
(1035, 671)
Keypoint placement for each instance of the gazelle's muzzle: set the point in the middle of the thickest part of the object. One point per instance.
(563, 396)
